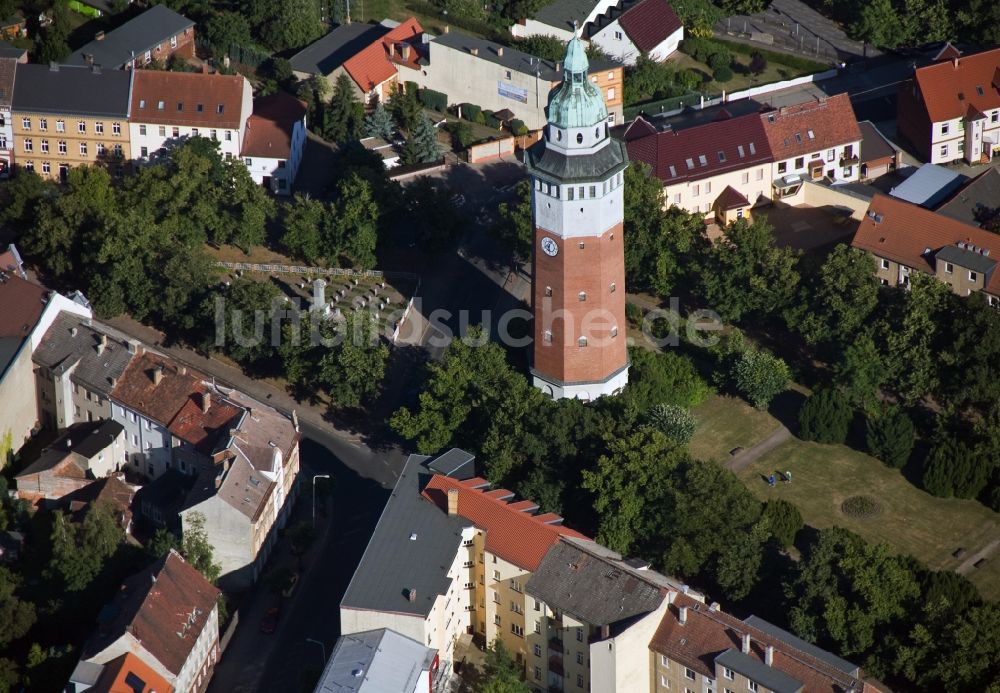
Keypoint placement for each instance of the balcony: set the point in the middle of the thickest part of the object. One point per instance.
(556, 645)
(556, 666)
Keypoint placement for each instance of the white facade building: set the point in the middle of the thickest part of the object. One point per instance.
(275, 141)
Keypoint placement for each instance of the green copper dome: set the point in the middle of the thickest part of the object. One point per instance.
(576, 103)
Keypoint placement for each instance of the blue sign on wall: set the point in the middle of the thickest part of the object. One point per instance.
(509, 91)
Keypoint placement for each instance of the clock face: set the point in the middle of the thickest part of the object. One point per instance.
(549, 247)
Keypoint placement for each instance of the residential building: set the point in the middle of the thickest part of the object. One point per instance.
(124, 674)
(950, 110)
(28, 312)
(929, 186)
(386, 150)
(977, 201)
(577, 208)
(369, 57)
(112, 491)
(168, 616)
(744, 151)
(698, 647)
(563, 18)
(274, 141)
(84, 452)
(13, 26)
(67, 116)
(9, 59)
(167, 108)
(595, 616)
(906, 238)
(494, 77)
(637, 27)
(156, 35)
(378, 661)
(879, 156)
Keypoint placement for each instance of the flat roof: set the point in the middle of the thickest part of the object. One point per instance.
(377, 661)
(928, 186)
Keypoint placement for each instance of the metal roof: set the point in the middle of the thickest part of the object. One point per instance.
(798, 643)
(411, 548)
(928, 186)
(600, 165)
(133, 38)
(378, 661)
(967, 258)
(331, 51)
(72, 90)
(455, 463)
(576, 102)
(768, 677)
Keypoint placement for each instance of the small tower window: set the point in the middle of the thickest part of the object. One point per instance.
(569, 193)
(547, 337)
(597, 133)
(583, 295)
(558, 135)
(582, 341)
(582, 245)
(593, 191)
(548, 290)
(579, 138)
(614, 331)
(613, 287)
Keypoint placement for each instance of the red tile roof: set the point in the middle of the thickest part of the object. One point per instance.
(731, 198)
(811, 126)
(183, 93)
(904, 232)
(707, 634)
(202, 429)
(23, 303)
(649, 23)
(950, 87)
(270, 128)
(116, 671)
(165, 608)
(371, 66)
(514, 535)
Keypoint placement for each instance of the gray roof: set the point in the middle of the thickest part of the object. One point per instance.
(73, 90)
(969, 259)
(133, 38)
(87, 439)
(981, 194)
(511, 58)
(598, 166)
(928, 186)
(328, 53)
(455, 463)
(754, 669)
(375, 661)
(593, 584)
(562, 13)
(818, 652)
(394, 563)
(874, 145)
(61, 350)
(9, 51)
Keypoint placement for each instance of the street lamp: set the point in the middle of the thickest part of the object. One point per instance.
(322, 647)
(317, 476)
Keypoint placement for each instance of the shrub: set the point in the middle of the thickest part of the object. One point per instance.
(722, 74)
(663, 378)
(955, 469)
(461, 134)
(759, 376)
(825, 417)
(758, 63)
(861, 507)
(675, 422)
(490, 120)
(518, 128)
(890, 435)
(784, 519)
(719, 60)
(434, 100)
(471, 112)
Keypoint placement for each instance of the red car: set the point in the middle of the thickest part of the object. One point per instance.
(270, 620)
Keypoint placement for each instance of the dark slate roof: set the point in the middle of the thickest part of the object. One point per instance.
(562, 13)
(9, 51)
(329, 52)
(133, 38)
(981, 193)
(966, 258)
(61, 350)
(73, 90)
(7, 70)
(393, 563)
(594, 584)
(86, 439)
(597, 166)
(874, 145)
(455, 463)
(802, 645)
(753, 669)
(511, 58)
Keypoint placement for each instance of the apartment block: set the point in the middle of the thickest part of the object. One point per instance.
(156, 35)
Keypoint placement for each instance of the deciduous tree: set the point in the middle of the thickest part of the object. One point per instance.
(196, 548)
(759, 376)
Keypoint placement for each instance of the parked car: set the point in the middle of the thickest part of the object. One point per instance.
(269, 623)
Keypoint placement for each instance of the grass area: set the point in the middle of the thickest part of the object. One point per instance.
(724, 423)
(775, 72)
(911, 522)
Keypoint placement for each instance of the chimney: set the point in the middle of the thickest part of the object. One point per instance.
(683, 618)
(500, 51)
(53, 66)
(157, 375)
(406, 51)
(102, 343)
(72, 331)
(769, 655)
(96, 69)
(411, 594)
(206, 402)
(453, 501)
(746, 643)
(88, 58)
(954, 62)
(558, 66)
(447, 28)
(474, 51)
(99, 36)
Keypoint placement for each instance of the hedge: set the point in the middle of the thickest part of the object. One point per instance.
(434, 100)
(796, 61)
(490, 120)
(471, 112)
(518, 128)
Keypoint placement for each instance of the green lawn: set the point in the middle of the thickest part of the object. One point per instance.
(724, 423)
(911, 522)
(775, 72)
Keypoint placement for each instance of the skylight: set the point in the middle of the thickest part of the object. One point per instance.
(979, 90)
(811, 134)
(798, 138)
(753, 149)
(722, 156)
(673, 171)
(690, 163)
(739, 148)
(702, 160)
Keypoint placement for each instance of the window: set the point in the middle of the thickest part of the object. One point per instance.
(579, 635)
(611, 93)
(728, 674)
(83, 149)
(45, 146)
(81, 127)
(99, 148)
(582, 296)
(885, 264)
(517, 630)
(515, 607)
(537, 650)
(664, 681)
(746, 177)
(582, 245)
(697, 190)
(547, 336)
(515, 585)
(664, 661)
(782, 167)
(60, 126)
(173, 42)
(26, 123)
(29, 165)
(496, 620)
(751, 686)
(569, 192)
(215, 136)
(147, 57)
(28, 145)
(229, 136)
(43, 124)
(579, 658)
(949, 268)
(496, 574)
(46, 167)
(760, 174)
(194, 132)
(722, 157)
(677, 198)
(116, 128)
(708, 187)
(944, 150)
(995, 117)
(973, 276)
(62, 146)
(579, 680)
(689, 674)
(142, 130)
(582, 341)
(618, 36)
(800, 162)
(200, 108)
(944, 128)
